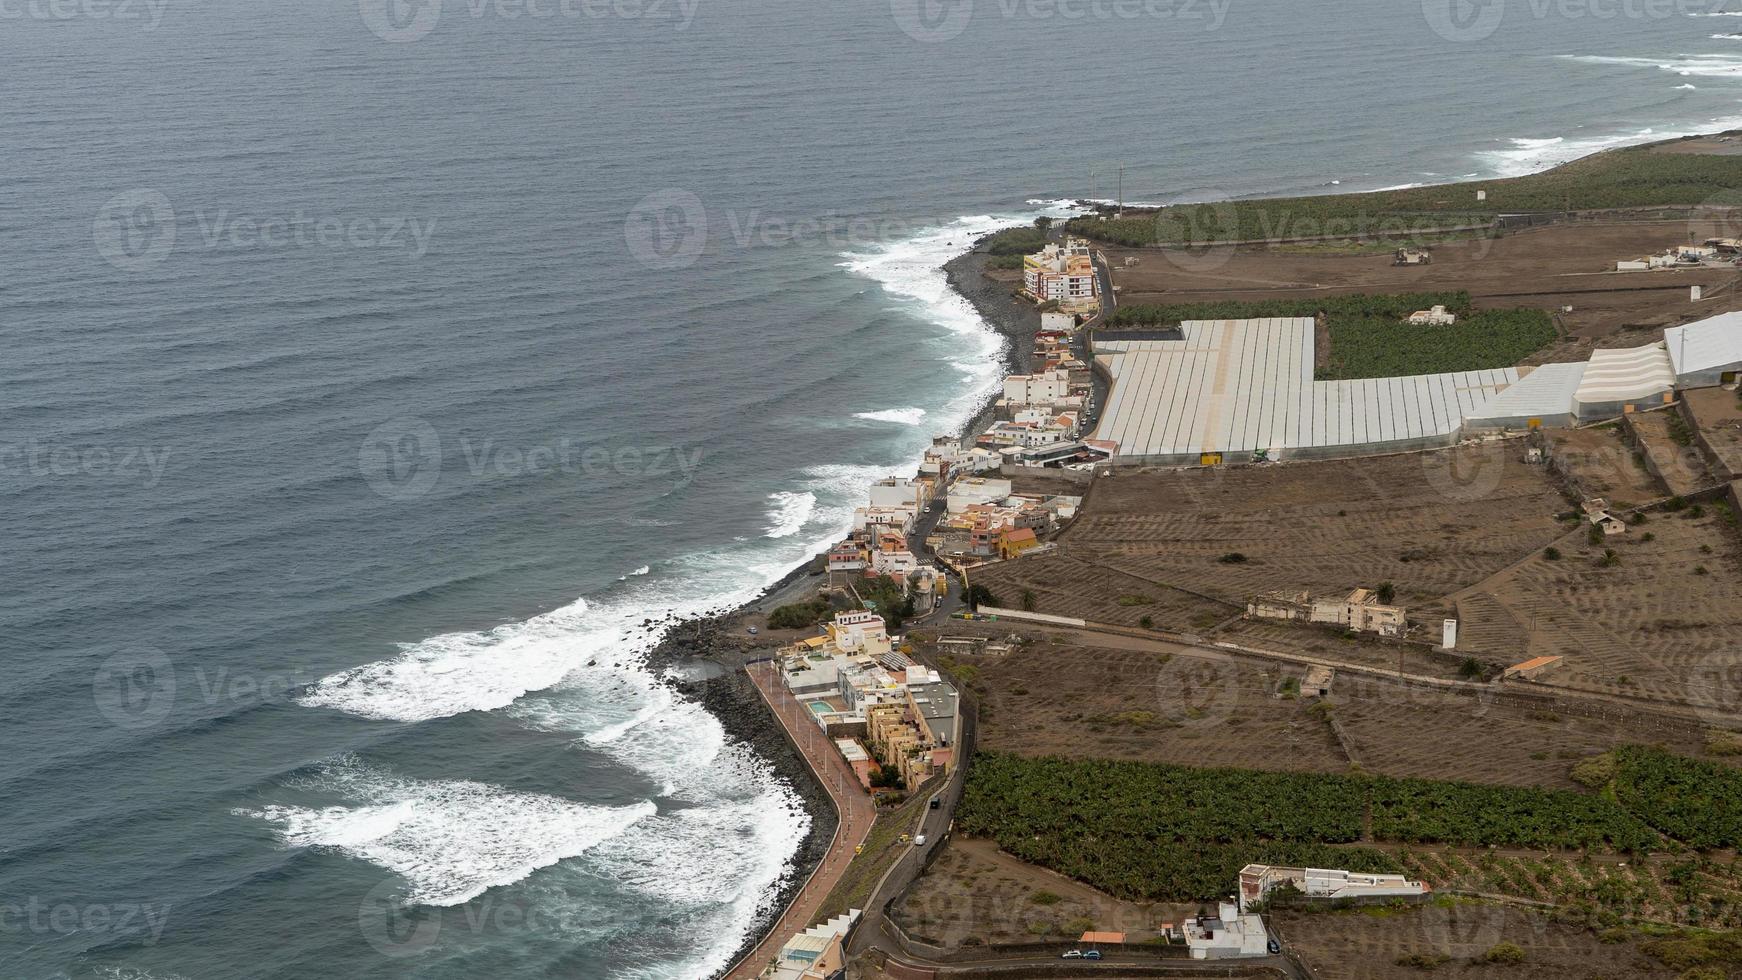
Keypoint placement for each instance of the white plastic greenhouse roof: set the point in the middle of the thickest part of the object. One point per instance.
(1707, 345)
(1541, 391)
(1242, 385)
(1625, 374)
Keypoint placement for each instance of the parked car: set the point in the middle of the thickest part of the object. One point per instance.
(934, 802)
(1093, 954)
(919, 841)
(1072, 954)
(1275, 947)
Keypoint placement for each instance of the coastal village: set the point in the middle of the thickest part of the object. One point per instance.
(1352, 631)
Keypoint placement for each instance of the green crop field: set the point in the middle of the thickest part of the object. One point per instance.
(1626, 178)
(1369, 338)
(1697, 802)
(1163, 832)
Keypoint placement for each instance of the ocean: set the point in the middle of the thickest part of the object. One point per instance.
(378, 379)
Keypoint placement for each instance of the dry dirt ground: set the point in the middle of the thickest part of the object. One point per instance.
(1093, 697)
(1600, 464)
(1680, 467)
(1661, 620)
(1543, 268)
(1052, 699)
(1367, 945)
(1718, 415)
(975, 894)
(1161, 544)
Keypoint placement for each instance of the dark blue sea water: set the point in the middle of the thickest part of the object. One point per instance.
(370, 372)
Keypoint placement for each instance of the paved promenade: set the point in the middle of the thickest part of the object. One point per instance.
(851, 802)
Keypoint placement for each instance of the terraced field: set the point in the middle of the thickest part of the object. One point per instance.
(1455, 937)
(1599, 464)
(1717, 415)
(1062, 584)
(1667, 441)
(1398, 730)
(1052, 699)
(1432, 523)
(1651, 623)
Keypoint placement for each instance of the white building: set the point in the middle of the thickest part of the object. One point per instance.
(1062, 322)
(1045, 388)
(1257, 881)
(1227, 934)
(815, 953)
(860, 632)
(1436, 317)
(898, 520)
(896, 563)
(977, 490)
(900, 492)
(1062, 274)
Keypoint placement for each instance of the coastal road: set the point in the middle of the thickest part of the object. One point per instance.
(853, 804)
(873, 931)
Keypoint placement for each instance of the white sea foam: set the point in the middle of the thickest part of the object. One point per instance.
(1709, 65)
(789, 513)
(1686, 88)
(911, 270)
(1526, 156)
(451, 840)
(713, 865)
(732, 842)
(900, 416)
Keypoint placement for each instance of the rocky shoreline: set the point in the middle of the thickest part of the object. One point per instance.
(705, 657)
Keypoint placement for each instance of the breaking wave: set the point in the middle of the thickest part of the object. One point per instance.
(450, 840)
